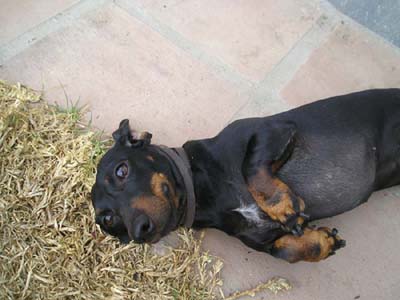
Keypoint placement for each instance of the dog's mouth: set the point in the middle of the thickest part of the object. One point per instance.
(155, 239)
(148, 240)
(139, 226)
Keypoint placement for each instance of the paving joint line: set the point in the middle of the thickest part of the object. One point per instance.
(331, 9)
(268, 90)
(220, 68)
(33, 35)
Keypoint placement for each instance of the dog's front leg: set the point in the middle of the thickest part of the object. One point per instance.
(276, 199)
(314, 245)
(267, 151)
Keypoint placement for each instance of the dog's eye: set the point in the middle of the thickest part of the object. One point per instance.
(108, 220)
(165, 189)
(122, 171)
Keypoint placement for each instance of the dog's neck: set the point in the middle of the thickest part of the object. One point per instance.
(190, 168)
(179, 159)
(222, 197)
(209, 212)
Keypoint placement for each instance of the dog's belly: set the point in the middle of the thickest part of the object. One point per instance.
(331, 181)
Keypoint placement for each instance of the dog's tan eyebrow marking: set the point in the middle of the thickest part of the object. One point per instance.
(149, 157)
(157, 180)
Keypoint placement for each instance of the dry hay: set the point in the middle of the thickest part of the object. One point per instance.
(50, 247)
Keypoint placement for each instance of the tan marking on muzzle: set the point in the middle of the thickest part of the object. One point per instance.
(152, 206)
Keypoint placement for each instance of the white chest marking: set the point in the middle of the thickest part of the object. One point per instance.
(251, 212)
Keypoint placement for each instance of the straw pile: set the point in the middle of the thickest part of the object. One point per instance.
(50, 247)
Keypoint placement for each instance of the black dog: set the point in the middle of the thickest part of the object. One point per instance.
(250, 180)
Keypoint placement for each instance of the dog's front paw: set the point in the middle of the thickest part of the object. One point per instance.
(289, 211)
(295, 223)
(314, 245)
(335, 240)
(280, 204)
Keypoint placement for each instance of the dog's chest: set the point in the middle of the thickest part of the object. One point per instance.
(246, 207)
(252, 214)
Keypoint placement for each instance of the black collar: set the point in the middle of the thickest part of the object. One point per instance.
(181, 161)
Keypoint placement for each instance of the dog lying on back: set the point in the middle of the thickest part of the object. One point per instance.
(261, 180)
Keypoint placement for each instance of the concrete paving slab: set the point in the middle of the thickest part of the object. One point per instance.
(265, 97)
(250, 35)
(350, 60)
(122, 69)
(18, 16)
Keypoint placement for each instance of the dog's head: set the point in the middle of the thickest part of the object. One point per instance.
(138, 194)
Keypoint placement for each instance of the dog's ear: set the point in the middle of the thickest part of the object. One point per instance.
(124, 136)
(123, 133)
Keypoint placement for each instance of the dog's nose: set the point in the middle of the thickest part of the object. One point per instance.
(143, 227)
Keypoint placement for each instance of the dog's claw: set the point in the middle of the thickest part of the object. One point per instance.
(341, 243)
(334, 232)
(338, 242)
(297, 230)
(294, 225)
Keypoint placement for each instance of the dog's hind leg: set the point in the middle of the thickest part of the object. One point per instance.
(314, 245)
(267, 150)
